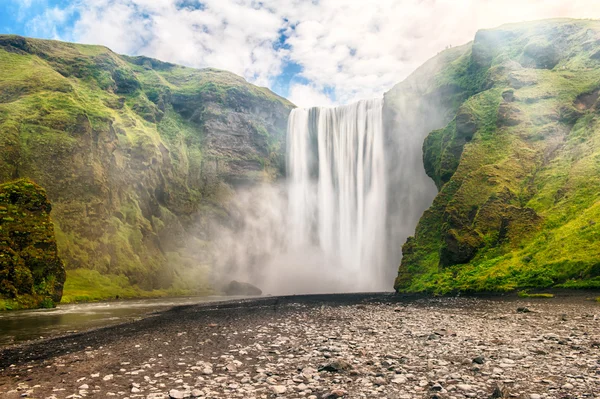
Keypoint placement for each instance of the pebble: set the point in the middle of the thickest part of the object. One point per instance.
(278, 389)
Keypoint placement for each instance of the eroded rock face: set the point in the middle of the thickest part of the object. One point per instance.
(31, 273)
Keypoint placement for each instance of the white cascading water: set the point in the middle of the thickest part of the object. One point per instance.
(337, 189)
(324, 229)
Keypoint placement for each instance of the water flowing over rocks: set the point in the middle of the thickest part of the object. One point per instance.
(298, 348)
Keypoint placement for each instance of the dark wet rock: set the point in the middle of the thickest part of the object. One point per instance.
(479, 360)
(336, 367)
(499, 392)
(240, 288)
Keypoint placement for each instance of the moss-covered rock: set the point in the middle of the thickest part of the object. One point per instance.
(517, 167)
(31, 273)
(136, 155)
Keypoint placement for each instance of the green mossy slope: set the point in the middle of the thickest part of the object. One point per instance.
(31, 273)
(517, 168)
(136, 155)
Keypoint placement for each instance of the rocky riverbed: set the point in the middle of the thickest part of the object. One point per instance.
(356, 346)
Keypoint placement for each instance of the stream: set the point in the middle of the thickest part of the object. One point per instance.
(25, 325)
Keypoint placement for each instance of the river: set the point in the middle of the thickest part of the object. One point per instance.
(25, 325)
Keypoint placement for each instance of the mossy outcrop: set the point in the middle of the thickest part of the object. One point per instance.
(138, 156)
(517, 166)
(31, 273)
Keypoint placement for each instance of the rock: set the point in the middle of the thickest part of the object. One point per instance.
(479, 360)
(523, 309)
(499, 392)
(567, 386)
(336, 393)
(157, 395)
(436, 388)
(240, 288)
(107, 377)
(336, 367)
(278, 389)
(399, 380)
(508, 95)
(380, 381)
(535, 396)
(196, 393)
(175, 394)
(32, 273)
(464, 387)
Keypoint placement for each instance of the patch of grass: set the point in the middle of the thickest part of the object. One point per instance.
(84, 285)
(525, 294)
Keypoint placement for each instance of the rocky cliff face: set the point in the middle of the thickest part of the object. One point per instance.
(517, 166)
(137, 155)
(31, 273)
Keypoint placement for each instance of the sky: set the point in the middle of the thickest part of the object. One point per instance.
(313, 52)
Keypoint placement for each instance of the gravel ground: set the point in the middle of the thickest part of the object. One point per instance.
(350, 346)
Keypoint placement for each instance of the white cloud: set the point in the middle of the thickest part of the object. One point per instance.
(351, 48)
(308, 96)
(46, 24)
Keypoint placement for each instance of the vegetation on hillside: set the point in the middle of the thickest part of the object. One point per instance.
(517, 168)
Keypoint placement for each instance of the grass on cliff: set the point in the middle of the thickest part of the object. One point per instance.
(84, 285)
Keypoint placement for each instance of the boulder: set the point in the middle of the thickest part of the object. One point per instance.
(240, 288)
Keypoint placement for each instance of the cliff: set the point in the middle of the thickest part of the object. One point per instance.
(136, 155)
(517, 166)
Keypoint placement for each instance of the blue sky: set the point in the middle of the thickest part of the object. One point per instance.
(314, 52)
(17, 19)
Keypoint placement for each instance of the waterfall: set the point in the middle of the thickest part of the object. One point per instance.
(326, 228)
(337, 190)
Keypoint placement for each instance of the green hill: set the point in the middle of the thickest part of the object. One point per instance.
(135, 154)
(517, 165)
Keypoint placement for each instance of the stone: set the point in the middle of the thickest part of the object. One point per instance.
(241, 289)
(278, 389)
(479, 360)
(336, 366)
(436, 388)
(175, 394)
(336, 393)
(464, 387)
